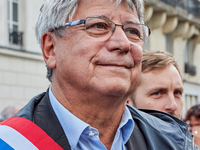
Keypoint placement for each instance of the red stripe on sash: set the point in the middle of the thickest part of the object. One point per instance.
(32, 132)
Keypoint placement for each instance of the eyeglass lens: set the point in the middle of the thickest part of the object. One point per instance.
(103, 29)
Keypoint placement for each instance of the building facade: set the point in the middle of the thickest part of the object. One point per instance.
(22, 70)
(175, 26)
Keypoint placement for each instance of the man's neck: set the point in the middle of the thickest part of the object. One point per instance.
(102, 113)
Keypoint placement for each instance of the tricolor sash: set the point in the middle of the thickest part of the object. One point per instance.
(18, 133)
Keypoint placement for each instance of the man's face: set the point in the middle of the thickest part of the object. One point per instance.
(161, 90)
(109, 67)
(194, 123)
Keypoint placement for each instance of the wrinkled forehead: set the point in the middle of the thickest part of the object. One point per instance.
(112, 8)
(130, 3)
(67, 8)
(116, 2)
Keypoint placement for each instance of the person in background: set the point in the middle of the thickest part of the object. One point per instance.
(93, 51)
(10, 111)
(193, 119)
(160, 87)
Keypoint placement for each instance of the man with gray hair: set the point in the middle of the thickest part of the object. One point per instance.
(93, 51)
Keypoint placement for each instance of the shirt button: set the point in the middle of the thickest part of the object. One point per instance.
(91, 133)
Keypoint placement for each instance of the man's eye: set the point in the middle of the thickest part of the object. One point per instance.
(156, 93)
(99, 26)
(132, 31)
(178, 93)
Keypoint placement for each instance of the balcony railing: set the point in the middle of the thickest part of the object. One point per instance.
(177, 3)
(15, 37)
(192, 6)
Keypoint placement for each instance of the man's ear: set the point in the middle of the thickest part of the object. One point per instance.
(48, 49)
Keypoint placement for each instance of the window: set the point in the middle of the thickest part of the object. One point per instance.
(189, 56)
(13, 14)
(15, 37)
(191, 100)
(169, 43)
(189, 51)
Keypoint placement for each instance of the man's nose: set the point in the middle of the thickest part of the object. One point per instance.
(121, 41)
(190, 128)
(171, 104)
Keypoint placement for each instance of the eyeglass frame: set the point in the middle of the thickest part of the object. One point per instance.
(82, 21)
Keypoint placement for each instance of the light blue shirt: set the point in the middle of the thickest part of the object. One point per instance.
(82, 136)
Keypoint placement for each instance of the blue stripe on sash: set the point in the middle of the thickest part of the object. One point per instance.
(4, 145)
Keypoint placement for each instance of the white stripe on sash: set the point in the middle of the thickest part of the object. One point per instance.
(16, 140)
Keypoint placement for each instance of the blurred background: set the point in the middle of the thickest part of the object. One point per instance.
(175, 26)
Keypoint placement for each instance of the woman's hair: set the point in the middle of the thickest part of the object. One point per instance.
(193, 111)
(55, 13)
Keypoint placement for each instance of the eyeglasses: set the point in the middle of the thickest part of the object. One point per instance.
(101, 28)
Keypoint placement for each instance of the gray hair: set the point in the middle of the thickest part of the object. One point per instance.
(54, 13)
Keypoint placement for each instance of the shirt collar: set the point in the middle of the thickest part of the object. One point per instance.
(126, 125)
(72, 126)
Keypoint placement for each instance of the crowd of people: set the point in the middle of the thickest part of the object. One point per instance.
(95, 62)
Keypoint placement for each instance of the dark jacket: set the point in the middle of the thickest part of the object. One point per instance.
(150, 133)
